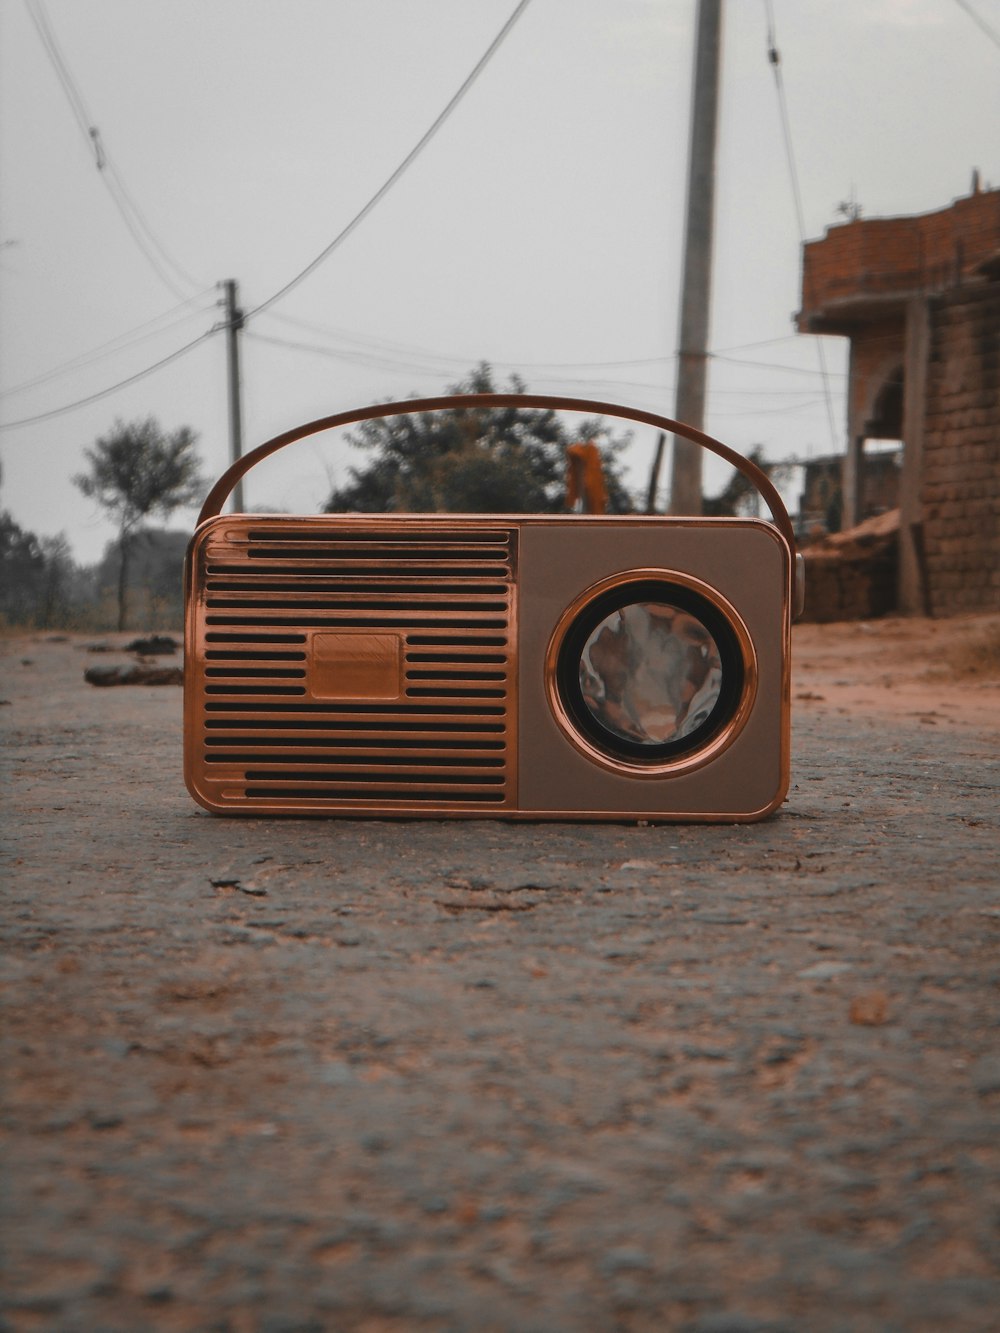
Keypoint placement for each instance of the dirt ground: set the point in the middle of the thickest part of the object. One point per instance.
(387, 1076)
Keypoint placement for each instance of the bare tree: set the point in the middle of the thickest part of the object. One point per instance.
(137, 471)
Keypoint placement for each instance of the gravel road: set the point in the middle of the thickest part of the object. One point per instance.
(375, 1076)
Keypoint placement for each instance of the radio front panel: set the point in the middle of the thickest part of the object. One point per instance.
(532, 667)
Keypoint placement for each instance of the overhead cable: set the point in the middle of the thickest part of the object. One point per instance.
(414, 359)
(407, 162)
(762, 342)
(766, 365)
(378, 347)
(774, 59)
(415, 364)
(990, 32)
(151, 328)
(414, 367)
(145, 238)
(113, 388)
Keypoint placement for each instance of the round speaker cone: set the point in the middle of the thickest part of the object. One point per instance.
(650, 671)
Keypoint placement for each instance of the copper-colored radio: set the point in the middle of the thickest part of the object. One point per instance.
(532, 667)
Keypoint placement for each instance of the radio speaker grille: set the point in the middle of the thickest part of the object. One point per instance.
(442, 735)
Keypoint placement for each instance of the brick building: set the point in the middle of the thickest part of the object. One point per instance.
(822, 498)
(919, 299)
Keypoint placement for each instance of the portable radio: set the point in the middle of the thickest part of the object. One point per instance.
(515, 666)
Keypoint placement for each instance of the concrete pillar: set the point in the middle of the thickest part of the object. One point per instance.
(854, 458)
(696, 288)
(913, 594)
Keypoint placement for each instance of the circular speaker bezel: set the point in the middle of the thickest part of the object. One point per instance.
(635, 759)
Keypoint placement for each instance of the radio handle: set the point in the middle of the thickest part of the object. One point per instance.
(219, 493)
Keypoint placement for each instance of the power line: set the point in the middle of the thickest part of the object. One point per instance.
(380, 352)
(768, 365)
(414, 367)
(130, 211)
(407, 162)
(182, 351)
(48, 39)
(356, 357)
(375, 349)
(991, 33)
(805, 408)
(336, 354)
(418, 361)
(131, 338)
(763, 342)
(461, 360)
(774, 59)
(113, 388)
(145, 238)
(379, 347)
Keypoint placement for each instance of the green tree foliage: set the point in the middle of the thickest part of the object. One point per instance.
(136, 472)
(22, 570)
(57, 591)
(37, 577)
(155, 576)
(483, 461)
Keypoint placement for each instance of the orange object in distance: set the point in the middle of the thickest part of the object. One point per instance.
(585, 478)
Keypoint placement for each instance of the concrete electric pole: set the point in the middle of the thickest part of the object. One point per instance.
(233, 324)
(696, 293)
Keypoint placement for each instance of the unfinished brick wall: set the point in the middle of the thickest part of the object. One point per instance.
(879, 256)
(853, 581)
(961, 476)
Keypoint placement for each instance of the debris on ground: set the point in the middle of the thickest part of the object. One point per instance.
(141, 673)
(154, 645)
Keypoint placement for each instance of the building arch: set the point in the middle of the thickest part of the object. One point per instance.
(884, 418)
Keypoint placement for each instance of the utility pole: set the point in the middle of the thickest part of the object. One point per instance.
(696, 294)
(233, 324)
(654, 473)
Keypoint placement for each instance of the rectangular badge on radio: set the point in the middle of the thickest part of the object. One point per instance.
(355, 664)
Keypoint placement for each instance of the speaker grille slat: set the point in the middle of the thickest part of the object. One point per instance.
(362, 798)
(447, 740)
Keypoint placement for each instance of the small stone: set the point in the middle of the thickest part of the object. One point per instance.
(825, 971)
(116, 1046)
(619, 1260)
(723, 1322)
(140, 674)
(870, 1010)
(986, 1075)
(104, 1120)
(337, 1074)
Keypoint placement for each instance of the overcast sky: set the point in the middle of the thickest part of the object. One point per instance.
(540, 230)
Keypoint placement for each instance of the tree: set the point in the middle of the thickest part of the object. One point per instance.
(56, 591)
(156, 562)
(491, 460)
(36, 576)
(137, 471)
(22, 571)
(739, 497)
